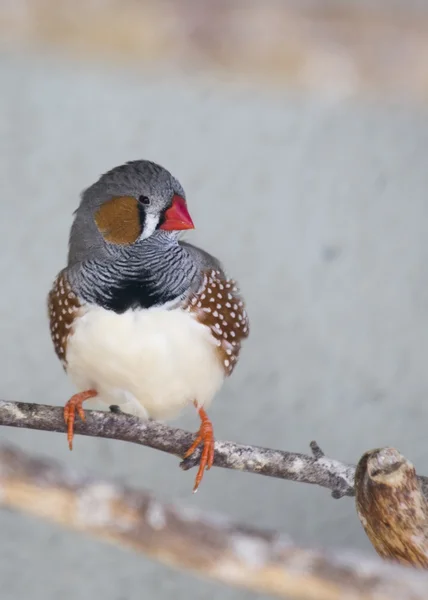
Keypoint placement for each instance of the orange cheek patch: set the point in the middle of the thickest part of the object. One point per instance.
(118, 220)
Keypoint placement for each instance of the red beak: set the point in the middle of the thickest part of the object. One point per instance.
(177, 216)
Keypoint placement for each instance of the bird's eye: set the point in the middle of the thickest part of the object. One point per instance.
(144, 200)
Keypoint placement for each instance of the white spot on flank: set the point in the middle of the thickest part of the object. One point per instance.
(203, 296)
(226, 362)
(233, 315)
(215, 314)
(219, 295)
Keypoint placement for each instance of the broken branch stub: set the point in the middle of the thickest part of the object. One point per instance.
(392, 507)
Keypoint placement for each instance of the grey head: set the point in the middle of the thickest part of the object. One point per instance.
(124, 250)
(127, 205)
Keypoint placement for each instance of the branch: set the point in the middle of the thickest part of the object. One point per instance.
(293, 466)
(319, 470)
(392, 508)
(208, 545)
(341, 49)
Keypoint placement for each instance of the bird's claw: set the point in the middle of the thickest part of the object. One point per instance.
(75, 405)
(205, 436)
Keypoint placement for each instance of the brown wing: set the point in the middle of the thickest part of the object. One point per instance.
(63, 307)
(219, 305)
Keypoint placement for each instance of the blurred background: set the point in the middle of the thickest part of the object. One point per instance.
(299, 132)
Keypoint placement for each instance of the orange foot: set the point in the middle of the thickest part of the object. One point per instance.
(205, 436)
(73, 405)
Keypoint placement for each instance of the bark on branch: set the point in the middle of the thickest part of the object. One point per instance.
(392, 507)
(205, 544)
(317, 469)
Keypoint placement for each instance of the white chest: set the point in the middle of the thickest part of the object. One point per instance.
(152, 362)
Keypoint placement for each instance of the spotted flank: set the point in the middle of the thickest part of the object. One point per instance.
(219, 305)
(63, 307)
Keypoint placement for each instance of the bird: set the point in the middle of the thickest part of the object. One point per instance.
(139, 317)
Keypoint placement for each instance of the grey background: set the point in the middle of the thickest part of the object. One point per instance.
(319, 209)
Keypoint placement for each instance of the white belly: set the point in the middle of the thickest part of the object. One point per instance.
(151, 362)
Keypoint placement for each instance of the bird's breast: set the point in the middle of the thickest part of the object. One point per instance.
(161, 359)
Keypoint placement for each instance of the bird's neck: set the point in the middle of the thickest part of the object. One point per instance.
(152, 272)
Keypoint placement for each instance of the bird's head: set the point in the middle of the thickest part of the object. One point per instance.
(126, 205)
